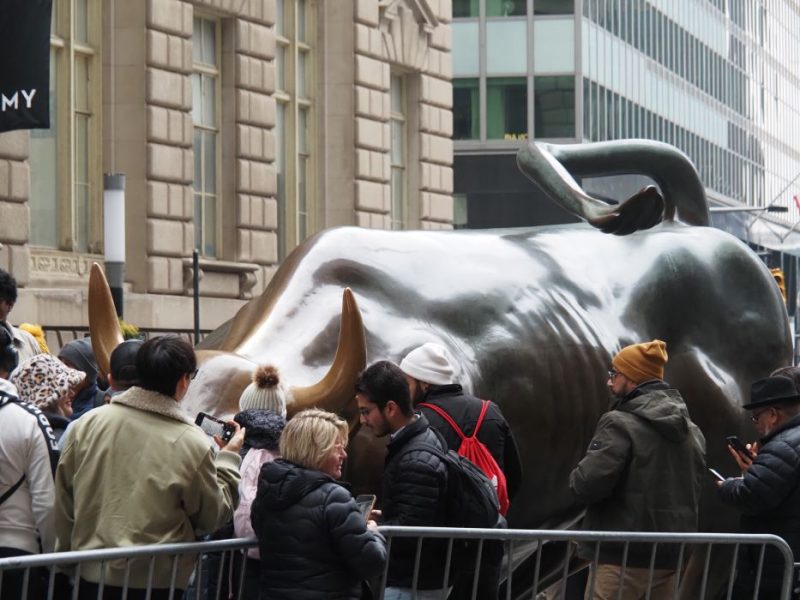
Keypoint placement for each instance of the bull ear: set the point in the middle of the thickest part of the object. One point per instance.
(334, 392)
(103, 322)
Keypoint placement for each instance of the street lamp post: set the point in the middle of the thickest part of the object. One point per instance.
(114, 234)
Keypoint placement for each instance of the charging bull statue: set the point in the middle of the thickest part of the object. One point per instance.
(531, 315)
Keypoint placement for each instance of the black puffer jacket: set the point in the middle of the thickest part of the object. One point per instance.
(313, 539)
(494, 433)
(768, 495)
(414, 481)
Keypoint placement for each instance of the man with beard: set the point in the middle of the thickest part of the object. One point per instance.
(414, 479)
(642, 471)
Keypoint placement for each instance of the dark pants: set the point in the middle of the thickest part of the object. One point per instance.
(89, 591)
(14, 580)
(488, 578)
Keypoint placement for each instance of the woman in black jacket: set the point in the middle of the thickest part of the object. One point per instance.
(313, 540)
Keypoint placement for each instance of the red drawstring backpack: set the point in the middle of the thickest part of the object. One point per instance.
(475, 451)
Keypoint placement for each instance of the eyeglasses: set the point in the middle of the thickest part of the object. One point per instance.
(193, 374)
(754, 417)
(612, 374)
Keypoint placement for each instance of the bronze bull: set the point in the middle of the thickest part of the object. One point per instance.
(532, 315)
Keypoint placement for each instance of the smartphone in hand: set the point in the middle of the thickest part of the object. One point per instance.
(365, 503)
(716, 474)
(213, 426)
(738, 445)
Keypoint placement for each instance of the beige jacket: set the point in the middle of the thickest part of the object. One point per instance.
(135, 472)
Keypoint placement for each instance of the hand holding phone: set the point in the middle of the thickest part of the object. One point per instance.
(213, 426)
(737, 444)
(365, 503)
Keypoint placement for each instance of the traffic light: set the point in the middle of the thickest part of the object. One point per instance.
(777, 273)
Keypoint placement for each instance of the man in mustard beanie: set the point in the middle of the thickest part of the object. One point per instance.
(642, 471)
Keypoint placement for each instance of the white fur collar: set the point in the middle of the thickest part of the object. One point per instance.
(153, 402)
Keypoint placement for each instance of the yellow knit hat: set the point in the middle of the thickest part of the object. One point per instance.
(640, 362)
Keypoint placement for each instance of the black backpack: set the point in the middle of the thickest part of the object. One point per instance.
(470, 499)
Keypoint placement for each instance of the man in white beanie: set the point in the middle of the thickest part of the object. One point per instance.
(430, 376)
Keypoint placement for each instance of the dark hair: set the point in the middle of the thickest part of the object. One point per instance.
(383, 381)
(8, 352)
(8, 287)
(162, 361)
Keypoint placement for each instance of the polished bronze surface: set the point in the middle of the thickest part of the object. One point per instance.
(103, 321)
(531, 315)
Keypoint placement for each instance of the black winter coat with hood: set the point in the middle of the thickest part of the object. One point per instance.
(313, 540)
(643, 471)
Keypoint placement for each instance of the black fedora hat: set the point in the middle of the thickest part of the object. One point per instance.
(772, 390)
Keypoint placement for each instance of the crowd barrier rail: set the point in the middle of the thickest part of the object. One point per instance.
(519, 545)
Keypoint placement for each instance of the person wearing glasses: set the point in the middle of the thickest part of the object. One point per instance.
(643, 471)
(768, 492)
(139, 471)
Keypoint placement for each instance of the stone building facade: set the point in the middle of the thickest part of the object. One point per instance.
(242, 127)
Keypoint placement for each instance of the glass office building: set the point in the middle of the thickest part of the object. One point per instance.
(720, 79)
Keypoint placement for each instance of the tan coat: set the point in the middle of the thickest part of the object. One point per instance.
(135, 472)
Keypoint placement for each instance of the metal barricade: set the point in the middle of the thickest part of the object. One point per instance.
(527, 569)
(524, 552)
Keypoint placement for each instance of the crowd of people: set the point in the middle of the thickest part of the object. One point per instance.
(91, 460)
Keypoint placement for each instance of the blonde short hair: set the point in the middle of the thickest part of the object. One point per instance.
(310, 436)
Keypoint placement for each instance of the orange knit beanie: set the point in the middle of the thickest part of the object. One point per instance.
(640, 362)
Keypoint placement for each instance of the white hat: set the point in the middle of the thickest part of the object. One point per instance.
(428, 364)
(265, 392)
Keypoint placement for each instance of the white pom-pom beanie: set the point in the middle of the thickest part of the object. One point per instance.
(265, 392)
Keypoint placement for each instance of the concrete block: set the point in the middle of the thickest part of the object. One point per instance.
(442, 37)
(370, 134)
(256, 178)
(254, 39)
(255, 109)
(436, 91)
(14, 180)
(164, 275)
(172, 16)
(369, 72)
(169, 163)
(166, 237)
(369, 195)
(14, 223)
(436, 149)
(367, 12)
(15, 144)
(167, 88)
(437, 207)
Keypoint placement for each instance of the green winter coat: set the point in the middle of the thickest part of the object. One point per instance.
(139, 471)
(643, 471)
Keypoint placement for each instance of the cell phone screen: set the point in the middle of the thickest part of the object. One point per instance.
(213, 426)
(716, 474)
(365, 504)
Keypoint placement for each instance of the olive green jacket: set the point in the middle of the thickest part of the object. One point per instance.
(135, 472)
(643, 471)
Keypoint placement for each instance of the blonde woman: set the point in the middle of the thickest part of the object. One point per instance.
(314, 542)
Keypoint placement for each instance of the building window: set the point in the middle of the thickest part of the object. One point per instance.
(294, 131)
(505, 8)
(398, 158)
(206, 120)
(554, 106)
(466, 109)
(506, 108)
(465, 8)
(65, 160)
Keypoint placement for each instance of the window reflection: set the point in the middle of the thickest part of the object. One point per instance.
(506, 108)
(554, 106)
(466, 117)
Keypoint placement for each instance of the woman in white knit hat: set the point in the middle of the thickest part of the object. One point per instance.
(265, 391)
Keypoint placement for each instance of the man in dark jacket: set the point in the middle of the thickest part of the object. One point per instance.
(430, 379)
(414, 478)
(642, 471)
(768, 492)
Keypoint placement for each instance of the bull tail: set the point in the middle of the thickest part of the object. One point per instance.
(552, 168)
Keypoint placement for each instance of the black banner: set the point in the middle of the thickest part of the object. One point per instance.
(24, 64)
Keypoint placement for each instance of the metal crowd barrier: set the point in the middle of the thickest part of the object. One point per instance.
(527, 570)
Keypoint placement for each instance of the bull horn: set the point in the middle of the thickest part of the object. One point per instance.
(334, 392)
(103, 322)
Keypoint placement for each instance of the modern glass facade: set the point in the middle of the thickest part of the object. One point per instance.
(719, 79)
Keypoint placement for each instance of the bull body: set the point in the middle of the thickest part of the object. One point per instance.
(533, 317)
